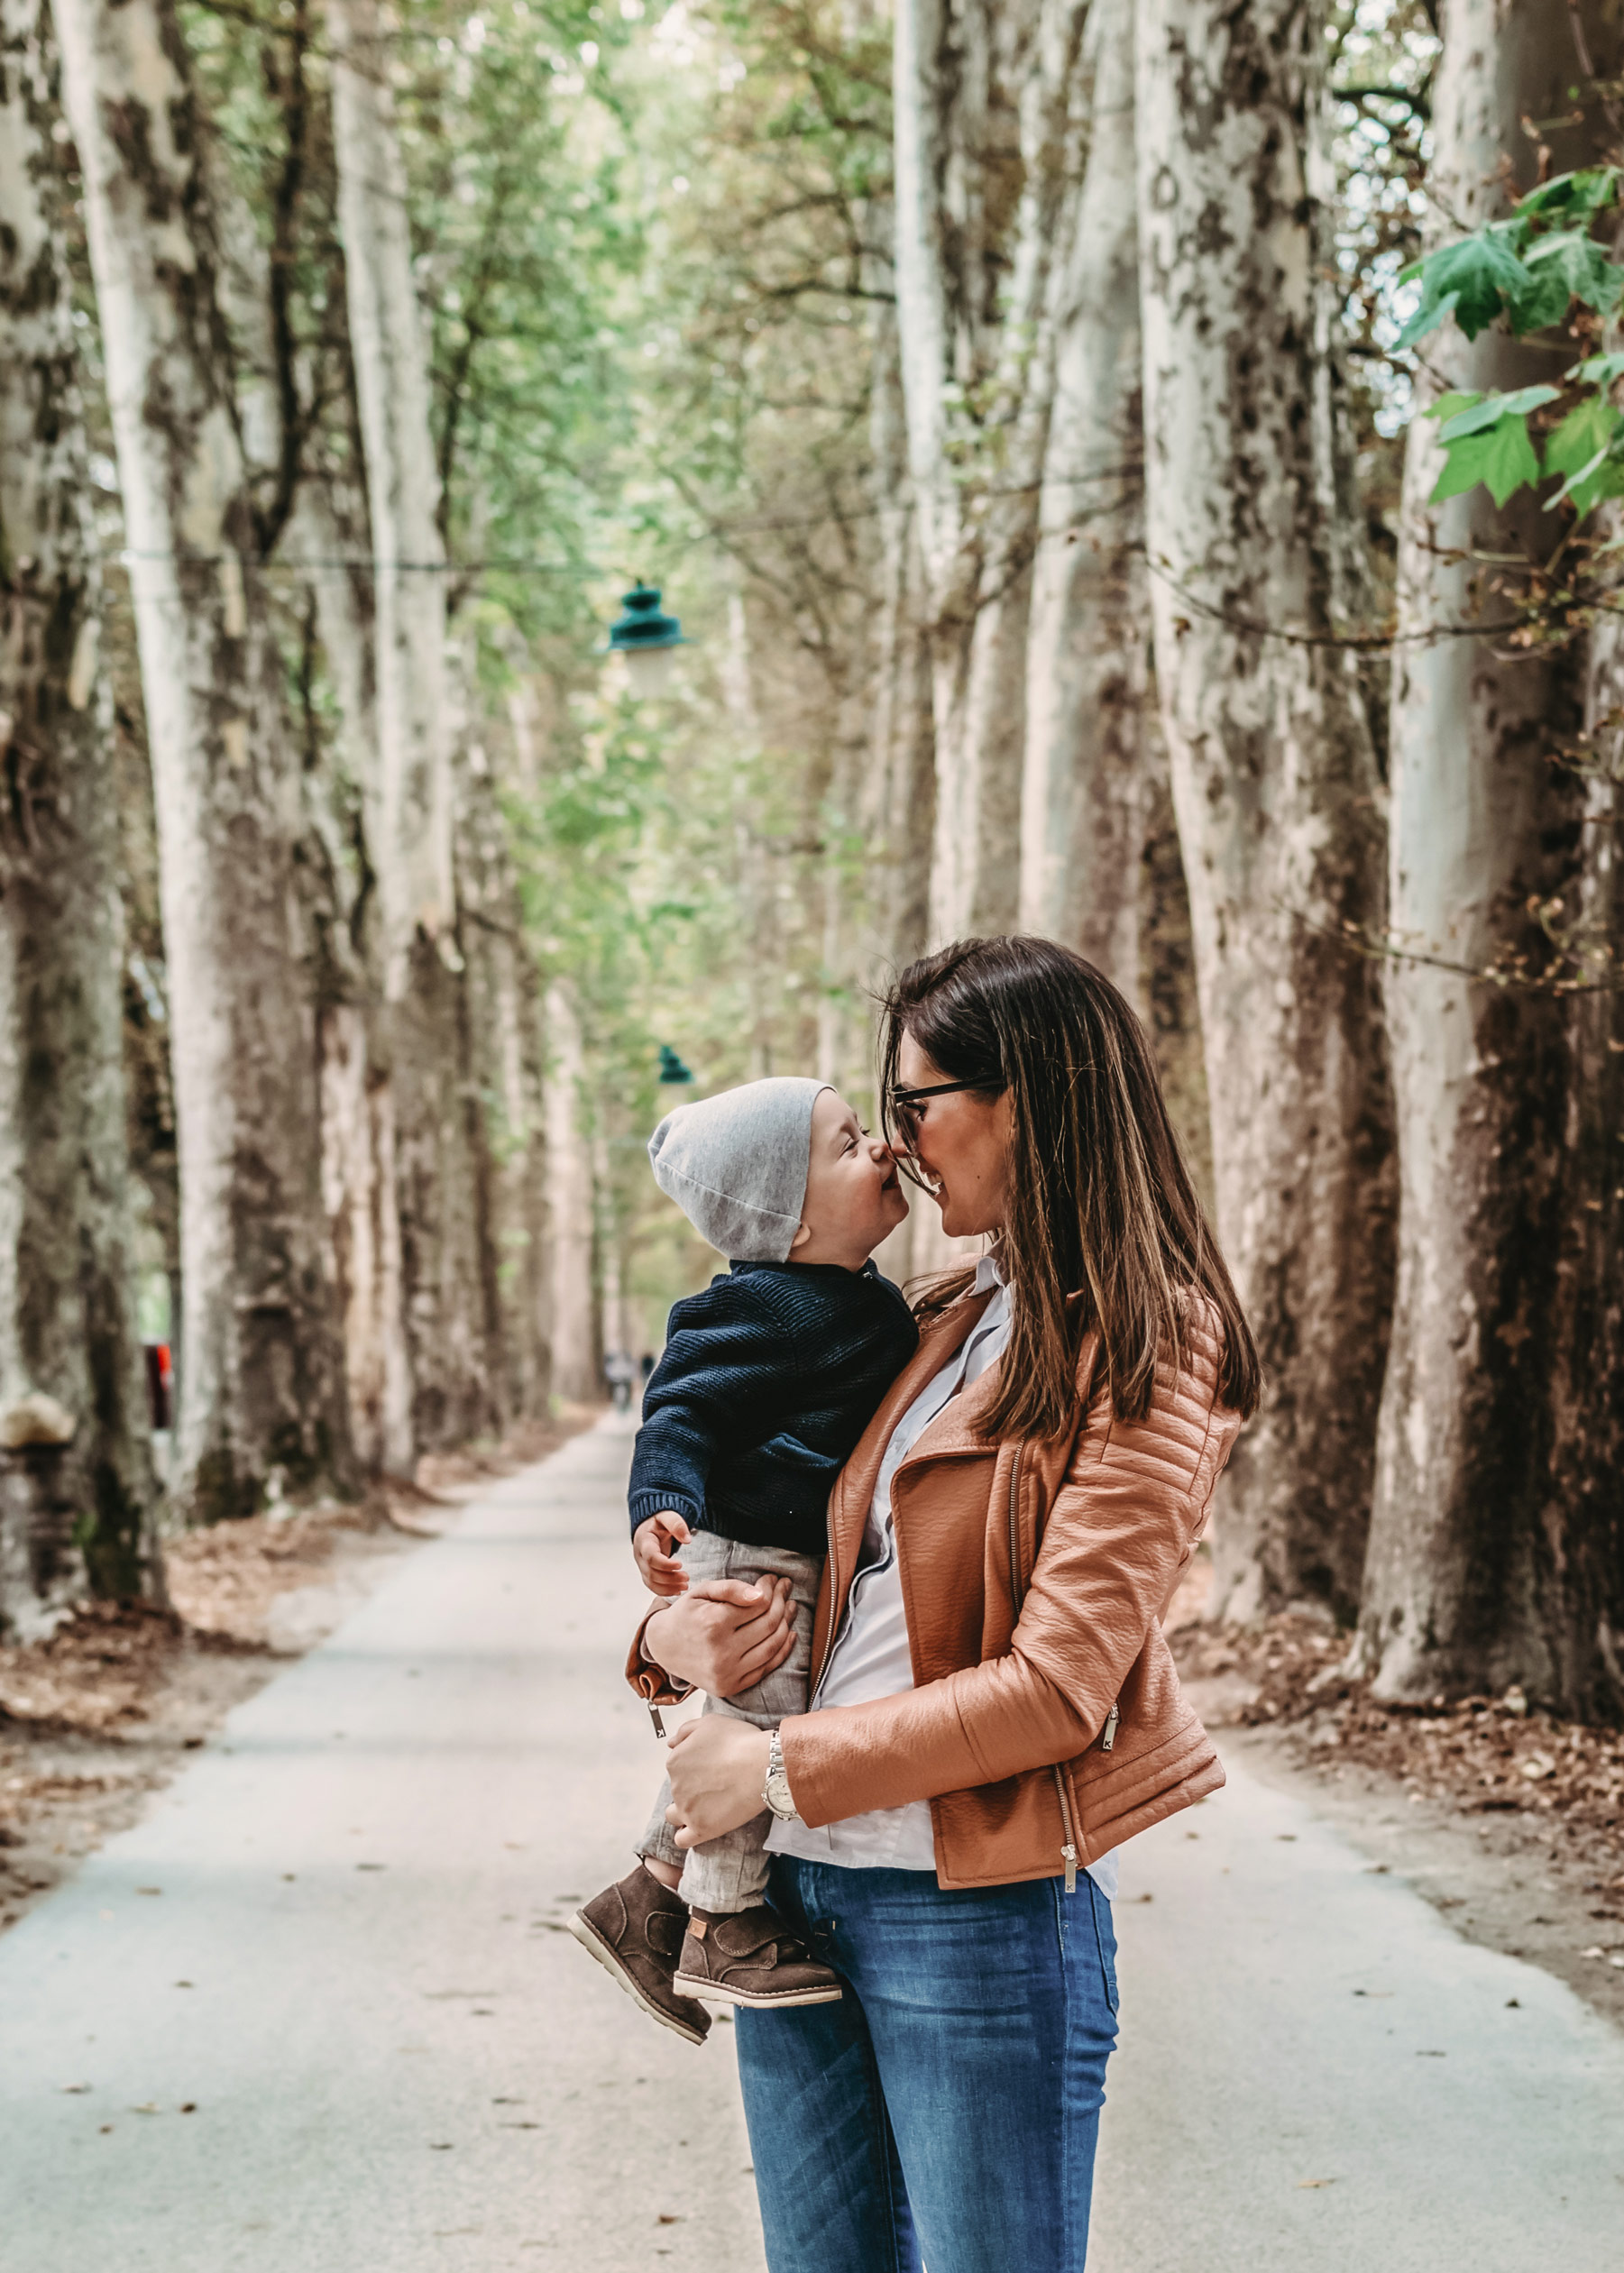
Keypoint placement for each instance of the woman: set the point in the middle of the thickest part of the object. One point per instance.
(995, 1709)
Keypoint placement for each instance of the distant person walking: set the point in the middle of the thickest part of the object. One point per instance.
(620, 1373)
(995, 1709)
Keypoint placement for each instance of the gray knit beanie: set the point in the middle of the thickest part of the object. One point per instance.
(736, 1165)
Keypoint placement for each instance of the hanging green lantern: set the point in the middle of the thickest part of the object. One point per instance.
(672, 1069)
(648, 638)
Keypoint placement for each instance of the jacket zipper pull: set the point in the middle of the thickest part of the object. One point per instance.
(1107, 1742)
(654, 1715)
(1069, 1852)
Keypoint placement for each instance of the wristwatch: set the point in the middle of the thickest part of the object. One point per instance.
(776, 1792)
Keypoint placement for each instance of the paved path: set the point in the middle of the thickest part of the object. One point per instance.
(1316, 2075)
(395, 2060)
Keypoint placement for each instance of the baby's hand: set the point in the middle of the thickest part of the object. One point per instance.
(651, 1543)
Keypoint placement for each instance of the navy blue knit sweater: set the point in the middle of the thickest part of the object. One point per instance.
(769, 1378)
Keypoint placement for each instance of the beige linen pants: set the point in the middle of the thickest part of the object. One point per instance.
(730, 1874)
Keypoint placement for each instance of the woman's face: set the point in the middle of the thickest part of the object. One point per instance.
(963, 1146)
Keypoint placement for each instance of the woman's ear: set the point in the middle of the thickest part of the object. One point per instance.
(803, 1234)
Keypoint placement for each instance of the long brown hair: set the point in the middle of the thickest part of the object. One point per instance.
(1102, 1225)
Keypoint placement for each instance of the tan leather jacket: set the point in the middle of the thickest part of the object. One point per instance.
(1007, 1732)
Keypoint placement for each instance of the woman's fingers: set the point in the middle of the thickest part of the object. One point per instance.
(723, 1634)
(743, 1592)
(767, 1655)
(717, 1766)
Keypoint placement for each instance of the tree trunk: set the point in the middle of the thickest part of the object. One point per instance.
(898, 810)
(364, 1232)
(357, 1097)
(414, 847)
(980, 107)
(1084, 796)
(261, 1379)
(67, 1314)
(1274, 771)
(570, 1208)
(423, 1044)
(754, 885)
(1495, 1541)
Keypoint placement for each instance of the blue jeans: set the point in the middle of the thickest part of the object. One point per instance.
(945, 2112)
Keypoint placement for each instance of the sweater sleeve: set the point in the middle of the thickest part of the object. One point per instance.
(1120, 1525)
(726, 1356)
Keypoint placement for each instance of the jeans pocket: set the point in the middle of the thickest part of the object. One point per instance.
(1104, 1936)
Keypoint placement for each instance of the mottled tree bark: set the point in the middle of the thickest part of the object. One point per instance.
(1273, 773)
(414, 847)
(357, 1097)
(1084, 794)
(899, 802)
(423, 1043)
(1495, 1541)
(261, 1381)
(981, 108)
(570, 1198)
(901, 783)
(67, 1307)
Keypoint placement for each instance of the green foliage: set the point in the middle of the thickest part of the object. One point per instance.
(1473, 281)
(1539, 268)
(1581, 449)
(1487, 441)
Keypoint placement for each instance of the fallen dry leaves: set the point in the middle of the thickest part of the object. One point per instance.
(1482, 1755)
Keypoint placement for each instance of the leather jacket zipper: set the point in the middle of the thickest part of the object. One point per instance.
(1017, 1591)
(1108, 1739)
(1068, 1851)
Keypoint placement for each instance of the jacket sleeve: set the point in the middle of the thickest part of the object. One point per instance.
(1121, 1522)
(729, 1356)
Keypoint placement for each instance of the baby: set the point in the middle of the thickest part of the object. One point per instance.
(768, 1379)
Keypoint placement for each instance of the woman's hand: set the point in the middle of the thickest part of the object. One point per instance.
(723, 1635)
(718, 1771)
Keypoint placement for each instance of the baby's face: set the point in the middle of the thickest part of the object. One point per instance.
(853, 1196)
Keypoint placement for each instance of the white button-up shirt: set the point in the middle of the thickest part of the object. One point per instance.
(870, 1657)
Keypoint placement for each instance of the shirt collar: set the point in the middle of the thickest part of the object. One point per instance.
(987, 1275)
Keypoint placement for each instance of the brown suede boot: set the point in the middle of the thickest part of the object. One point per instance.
(751, 1957)
(635, 1930)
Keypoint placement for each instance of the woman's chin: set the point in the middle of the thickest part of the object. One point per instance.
(959, 1222)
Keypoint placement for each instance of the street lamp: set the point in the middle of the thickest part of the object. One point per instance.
(673, 1072)
(647, 638)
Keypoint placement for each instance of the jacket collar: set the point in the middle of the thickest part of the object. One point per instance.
(854, 1487)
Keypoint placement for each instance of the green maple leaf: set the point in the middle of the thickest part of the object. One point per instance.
(1581, 448)
(1487, 411)
(1585, 431)
(1500, 456)
(1571, 266)
(1598, 370)
(1576, 196)
(1472, 281)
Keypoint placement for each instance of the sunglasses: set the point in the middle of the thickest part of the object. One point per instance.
(904, 1106)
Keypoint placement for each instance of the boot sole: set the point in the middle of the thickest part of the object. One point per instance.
(595, 1945)
(719, 1994)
